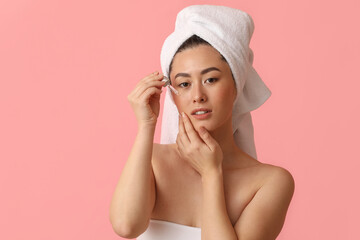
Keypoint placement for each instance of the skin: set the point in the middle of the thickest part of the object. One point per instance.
(203, 180)
(214, 90)
(222, 185)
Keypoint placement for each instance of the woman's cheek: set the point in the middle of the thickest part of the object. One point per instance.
(179, 104)
(225, 93)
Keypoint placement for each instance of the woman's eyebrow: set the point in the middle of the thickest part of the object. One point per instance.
(206, 70)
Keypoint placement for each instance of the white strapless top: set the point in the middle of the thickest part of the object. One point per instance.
(164, 230)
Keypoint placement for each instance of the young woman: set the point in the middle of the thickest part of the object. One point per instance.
(207, 184)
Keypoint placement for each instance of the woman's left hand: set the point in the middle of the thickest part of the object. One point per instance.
(200, 149)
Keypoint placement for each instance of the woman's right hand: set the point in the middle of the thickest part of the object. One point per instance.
(145, 99)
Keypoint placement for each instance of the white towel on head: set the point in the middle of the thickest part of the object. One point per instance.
(229, 31)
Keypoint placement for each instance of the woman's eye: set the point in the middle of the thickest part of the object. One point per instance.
(211, 80)
(184, 84)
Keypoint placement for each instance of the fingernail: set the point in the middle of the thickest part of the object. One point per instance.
(183, 114)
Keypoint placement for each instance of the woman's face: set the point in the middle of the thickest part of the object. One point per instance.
(203, 80)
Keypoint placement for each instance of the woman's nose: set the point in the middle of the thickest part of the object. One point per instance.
(198, 94)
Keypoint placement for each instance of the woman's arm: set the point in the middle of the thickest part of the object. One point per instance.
(205, 155)
(215, 222)
(264, 217)
(134, 196)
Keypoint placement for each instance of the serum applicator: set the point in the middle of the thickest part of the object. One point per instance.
(168, 84)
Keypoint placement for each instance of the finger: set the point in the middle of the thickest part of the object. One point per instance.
(151, 75)
(207, 138)
(146, 79)
(152, 83)
(151, 79)
(142, 86)
(189, 128)
(182, 133)
(180, 145)
(148, 93)
(158, 76)
(179, 141)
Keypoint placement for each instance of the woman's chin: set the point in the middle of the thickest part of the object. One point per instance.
(211, 126)
(208, 127)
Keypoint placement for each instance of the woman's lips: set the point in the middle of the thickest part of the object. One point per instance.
(202, 116)
(200, 109)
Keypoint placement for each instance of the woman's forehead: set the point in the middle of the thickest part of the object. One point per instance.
(197, 59)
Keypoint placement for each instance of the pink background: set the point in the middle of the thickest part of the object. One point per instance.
(66, 68)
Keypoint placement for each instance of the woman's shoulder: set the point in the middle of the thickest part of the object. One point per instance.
(166, 161)
(276, 177)
(247, 163)
(164, 152)
(264, 180)
(278, 188)
(263, 174)
(160, 149)
(270, 169)
(277, 170)
(266, 169)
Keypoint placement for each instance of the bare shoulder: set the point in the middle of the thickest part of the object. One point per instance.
(279, 176)
(276, 177)
(278, 187)
(163, 153)
(160, 150)
(264, 216)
